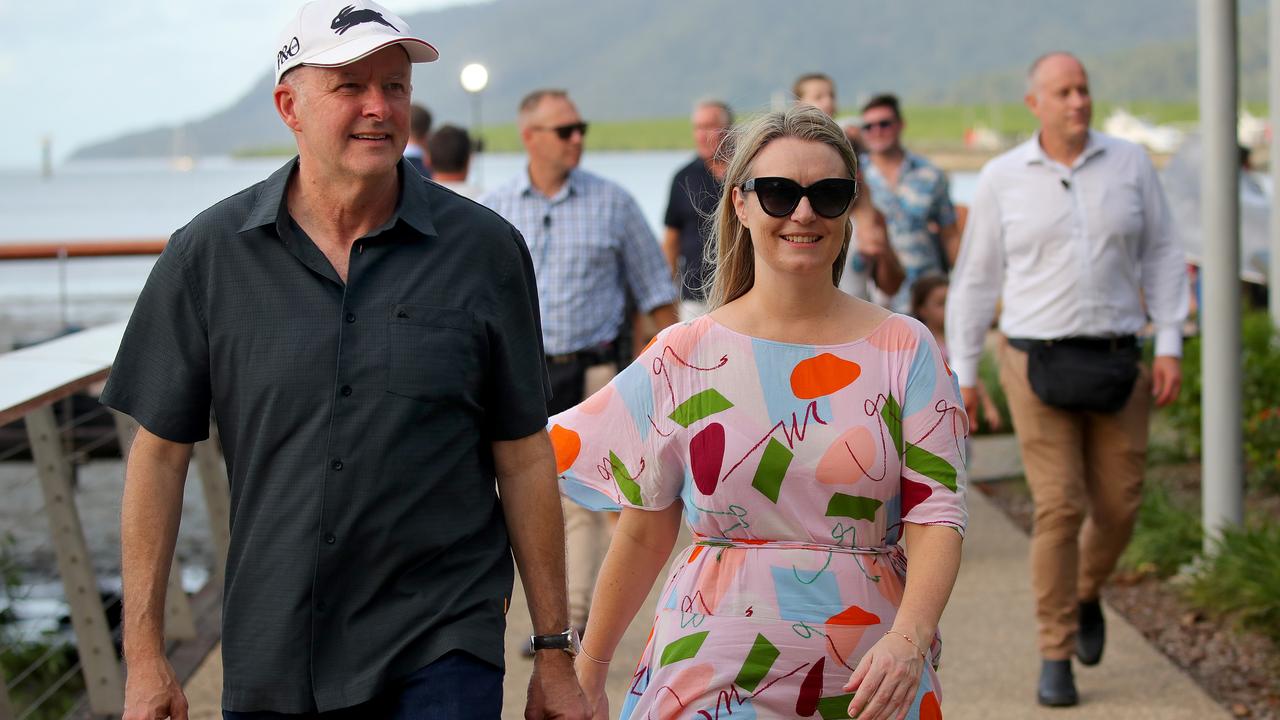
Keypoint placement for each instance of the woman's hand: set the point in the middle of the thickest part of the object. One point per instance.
(886, 680)
(592, 676)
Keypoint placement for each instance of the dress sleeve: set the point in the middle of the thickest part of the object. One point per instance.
(609, 453)
(934, 431)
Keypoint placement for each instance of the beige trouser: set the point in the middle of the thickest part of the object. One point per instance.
(586, 533)
(1085, 473)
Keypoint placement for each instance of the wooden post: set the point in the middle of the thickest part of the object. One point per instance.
(103, 677)
(217, 497)
(179, 622)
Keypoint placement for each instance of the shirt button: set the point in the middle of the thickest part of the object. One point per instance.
(329, 538)
(336, 465)
(346, 391)
(351, 317)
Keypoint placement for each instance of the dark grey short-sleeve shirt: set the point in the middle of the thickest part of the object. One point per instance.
(366, 535)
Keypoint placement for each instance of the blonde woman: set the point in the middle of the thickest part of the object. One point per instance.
(803, 434)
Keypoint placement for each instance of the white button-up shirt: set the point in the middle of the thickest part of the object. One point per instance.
(1071, 251)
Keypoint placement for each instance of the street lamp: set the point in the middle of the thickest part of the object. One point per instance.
(474, 79)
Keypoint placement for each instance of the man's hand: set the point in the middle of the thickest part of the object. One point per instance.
(872, 236)
(152, 692)
(554, 690)
(969, 395)
(1166, 379)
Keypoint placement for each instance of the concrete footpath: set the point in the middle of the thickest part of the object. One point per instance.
(989, 664)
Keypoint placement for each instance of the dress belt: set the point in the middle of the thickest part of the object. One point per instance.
(720, 542)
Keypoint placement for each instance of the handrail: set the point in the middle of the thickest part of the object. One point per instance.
(35, 378)
(52, 249)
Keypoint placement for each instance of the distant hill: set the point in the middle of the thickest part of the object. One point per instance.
(652, 59)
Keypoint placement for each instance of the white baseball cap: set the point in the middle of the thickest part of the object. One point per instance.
(333, 33)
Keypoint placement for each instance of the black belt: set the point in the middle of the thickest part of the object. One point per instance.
(602, 354)
(1122, 342)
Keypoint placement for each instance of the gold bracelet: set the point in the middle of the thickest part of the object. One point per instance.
(583, 651)
(904, 636)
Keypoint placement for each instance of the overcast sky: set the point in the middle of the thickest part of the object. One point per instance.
(79, 71)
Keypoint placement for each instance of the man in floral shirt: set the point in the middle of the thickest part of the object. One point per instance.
(912, 194)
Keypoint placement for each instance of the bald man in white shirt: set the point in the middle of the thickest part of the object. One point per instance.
(1071, 231)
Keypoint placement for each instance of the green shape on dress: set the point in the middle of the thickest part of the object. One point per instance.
(682, 649)
(773, 467)
(704, 404)
(835, 707)
(757, 665)
(892, 415)
(629, 487)
(850, 506)
(931, 466)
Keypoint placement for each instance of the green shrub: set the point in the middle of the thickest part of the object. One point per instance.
(989, 376)
(1242, 579)
(1261, 400)
(1167, 535)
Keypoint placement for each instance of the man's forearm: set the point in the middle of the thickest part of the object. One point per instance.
(531, 504)
(150, 513)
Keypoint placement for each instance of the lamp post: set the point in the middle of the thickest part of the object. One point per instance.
(474, 79)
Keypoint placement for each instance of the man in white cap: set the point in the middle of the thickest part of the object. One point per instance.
(370, 346)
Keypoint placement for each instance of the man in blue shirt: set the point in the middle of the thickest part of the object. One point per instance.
(912, 194)
(591, 247)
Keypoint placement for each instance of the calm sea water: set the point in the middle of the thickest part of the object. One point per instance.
(150, 199)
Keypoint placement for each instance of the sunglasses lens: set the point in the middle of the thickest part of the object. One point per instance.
(830, 197)
(564, 132)
(778, 196)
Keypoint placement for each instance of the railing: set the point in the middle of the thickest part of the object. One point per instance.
(32, 381)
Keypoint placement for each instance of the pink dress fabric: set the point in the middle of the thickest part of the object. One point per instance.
(797, 466)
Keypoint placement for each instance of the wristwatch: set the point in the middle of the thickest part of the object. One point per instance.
(567, 641)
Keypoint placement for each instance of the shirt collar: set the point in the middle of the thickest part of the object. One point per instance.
(269, 207)
(572, 186)
(1034, 154)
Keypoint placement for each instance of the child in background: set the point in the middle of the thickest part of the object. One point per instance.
(929, 306)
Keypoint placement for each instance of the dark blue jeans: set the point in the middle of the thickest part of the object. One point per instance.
(458, 685)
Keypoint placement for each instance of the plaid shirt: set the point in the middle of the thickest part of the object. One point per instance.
(590, 245)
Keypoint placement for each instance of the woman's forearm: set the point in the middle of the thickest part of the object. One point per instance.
(640, 548)
(933, 561)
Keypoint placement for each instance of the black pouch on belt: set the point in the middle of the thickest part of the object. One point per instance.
(1089, 374)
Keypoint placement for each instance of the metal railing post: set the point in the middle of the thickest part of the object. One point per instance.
(1223, 465)
(1273, 62)
(103, 676)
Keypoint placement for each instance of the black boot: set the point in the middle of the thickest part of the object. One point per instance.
(1092, 634)
(1057, 685)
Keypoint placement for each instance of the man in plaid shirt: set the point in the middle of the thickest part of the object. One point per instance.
(591, 247)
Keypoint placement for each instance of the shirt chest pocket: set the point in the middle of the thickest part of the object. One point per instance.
(433, 354)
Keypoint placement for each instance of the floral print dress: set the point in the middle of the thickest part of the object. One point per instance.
(797, 466)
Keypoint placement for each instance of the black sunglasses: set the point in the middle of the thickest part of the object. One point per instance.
(878, 125)
(779, 196)
(564, 132)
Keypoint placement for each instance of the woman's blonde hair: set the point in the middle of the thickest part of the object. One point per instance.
(728, 251)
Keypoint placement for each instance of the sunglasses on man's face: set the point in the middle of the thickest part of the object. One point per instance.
(780, 196)
(564, 132)
(878, 125)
